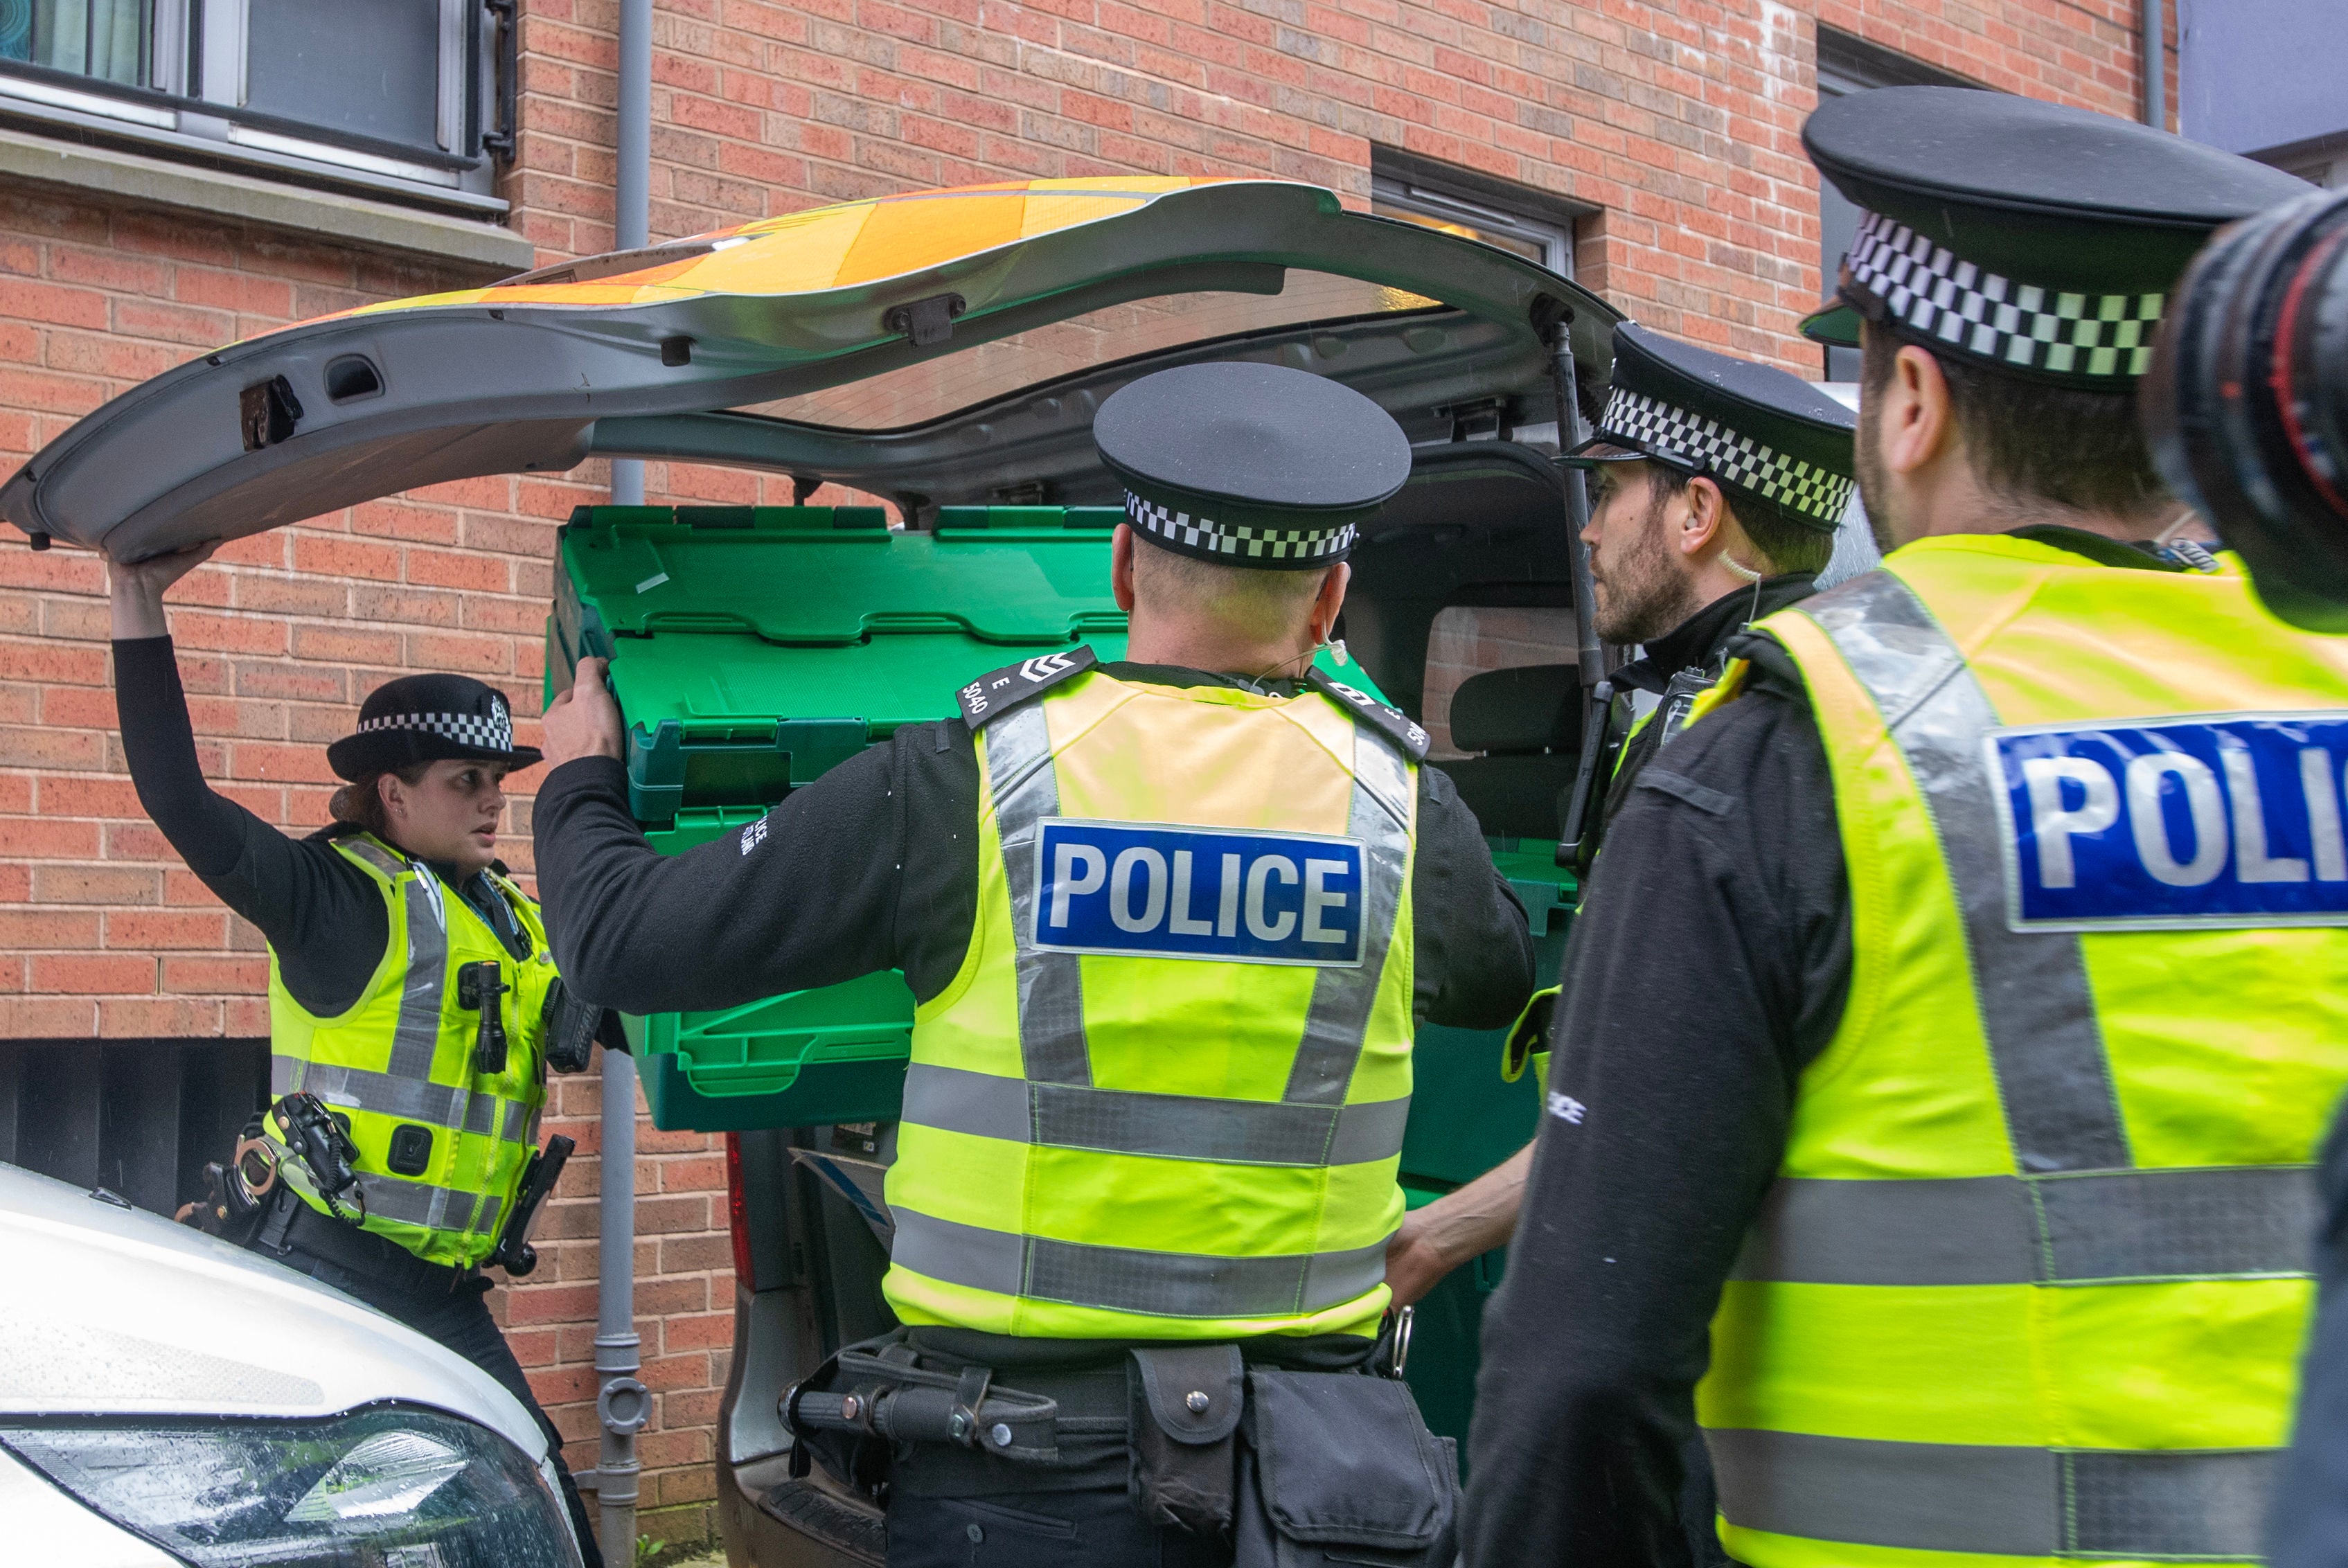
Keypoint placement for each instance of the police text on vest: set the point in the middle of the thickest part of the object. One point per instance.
(1154, 890)
(2223, 820)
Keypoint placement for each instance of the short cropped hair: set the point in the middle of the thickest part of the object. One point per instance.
(1240, 596)
(2032, 441)
(1790, 546)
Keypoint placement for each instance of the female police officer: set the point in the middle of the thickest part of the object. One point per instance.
(410, 988)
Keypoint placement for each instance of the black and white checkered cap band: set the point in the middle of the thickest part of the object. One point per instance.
(493, 733)
(1653, 425)
(1236, 540)
(1996, 318)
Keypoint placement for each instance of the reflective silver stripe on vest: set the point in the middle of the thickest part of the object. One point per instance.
(1025, 789)
(417, 1035)
(2036, 1011)
(1337, 1023)
(420, 1203)
(409, 1203)
(431, 1104)
(2248, 1222)
(2009, 1501)
(374, 855)
(1175, 1126)
(1124, 1279)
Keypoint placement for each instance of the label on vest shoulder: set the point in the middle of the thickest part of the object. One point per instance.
(1150, 890)
(2225, 819)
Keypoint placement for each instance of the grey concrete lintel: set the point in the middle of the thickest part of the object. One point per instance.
(374, 224)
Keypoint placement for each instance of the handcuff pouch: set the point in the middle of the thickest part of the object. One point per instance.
(1186, 1406)
(1340, 1468)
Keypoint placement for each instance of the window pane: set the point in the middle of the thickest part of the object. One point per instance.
(1838, 229)
(1467, 640)
(1532, 250)
(103, 38)
(371, 67)
(920, 393)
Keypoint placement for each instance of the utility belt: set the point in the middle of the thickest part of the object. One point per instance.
(248, 1201)
(289, 1225)
(1289, 1469)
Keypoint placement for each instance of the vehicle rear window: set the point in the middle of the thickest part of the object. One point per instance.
(1467, 639)
(917, 393)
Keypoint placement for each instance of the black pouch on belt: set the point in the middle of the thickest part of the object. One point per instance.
(1187, 1401)
(1339, 1467)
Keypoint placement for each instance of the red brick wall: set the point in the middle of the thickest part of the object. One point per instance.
(1676, 120)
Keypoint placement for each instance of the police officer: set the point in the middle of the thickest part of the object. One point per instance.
(1944, 1102)
(411, 992)
(1720, 484)
(2310, 1513)
(1172, 923)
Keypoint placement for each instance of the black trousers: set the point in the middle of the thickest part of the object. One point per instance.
(458, 1320)
(1091, 1529)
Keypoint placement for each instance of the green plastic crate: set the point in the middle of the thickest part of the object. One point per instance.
(1464, 1118)
(752, 649)
(805, 1058)
(832, 1054)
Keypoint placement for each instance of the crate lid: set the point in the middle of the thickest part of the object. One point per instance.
(793, 575)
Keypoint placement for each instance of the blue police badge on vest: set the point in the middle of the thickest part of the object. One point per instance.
(2225, 819)
(1150, 890)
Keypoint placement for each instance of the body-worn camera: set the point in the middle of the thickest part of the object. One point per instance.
(2246, 402)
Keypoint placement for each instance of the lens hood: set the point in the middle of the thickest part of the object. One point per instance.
(2245, 405)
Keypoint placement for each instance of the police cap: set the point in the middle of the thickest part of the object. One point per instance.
(1759, 433)
(423, 718)
(2040, 238)
(1250, 465)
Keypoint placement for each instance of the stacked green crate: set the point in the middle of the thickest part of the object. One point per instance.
(751, 649)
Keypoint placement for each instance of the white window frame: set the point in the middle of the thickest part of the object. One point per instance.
(1416, 185)
(203, 46)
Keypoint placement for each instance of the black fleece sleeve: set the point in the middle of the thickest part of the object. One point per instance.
(2309, 1528)
(322, 916)
(1475, 946)
(809, 895)
(1708, 969)
(875, 866)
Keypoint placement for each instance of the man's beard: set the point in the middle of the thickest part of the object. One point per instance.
(1646, 594)
(1874, 480)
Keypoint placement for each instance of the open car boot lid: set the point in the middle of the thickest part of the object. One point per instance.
(668, 353)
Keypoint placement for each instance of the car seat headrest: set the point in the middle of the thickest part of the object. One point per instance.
(1533, 707)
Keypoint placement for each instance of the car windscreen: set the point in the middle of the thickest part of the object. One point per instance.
(917, 393)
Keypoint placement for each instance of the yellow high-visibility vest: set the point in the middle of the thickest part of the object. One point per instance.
(2032, 1282)
(1164, 1097)
(441, 1145)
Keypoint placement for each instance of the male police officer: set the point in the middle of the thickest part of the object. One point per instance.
(1172, 923)
(1720, 485)
(1985, 994)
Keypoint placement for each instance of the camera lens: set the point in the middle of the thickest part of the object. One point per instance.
(2246, 403)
